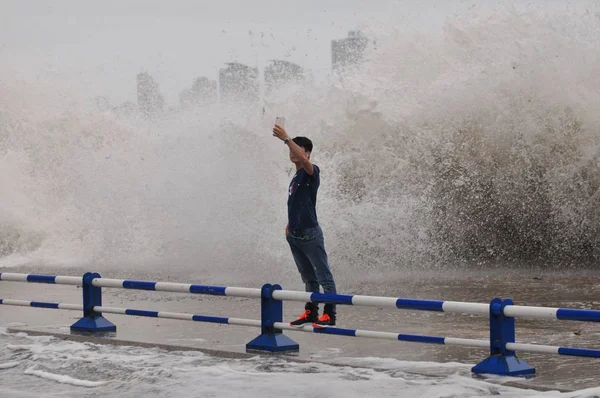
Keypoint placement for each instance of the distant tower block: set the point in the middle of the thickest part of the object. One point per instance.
(150, 100)
(203, 92)
(348, 51)
(238, 83)
(281, 72)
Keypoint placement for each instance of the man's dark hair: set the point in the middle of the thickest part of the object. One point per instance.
(304, 143)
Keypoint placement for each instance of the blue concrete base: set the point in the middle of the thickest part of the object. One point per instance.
(93, 325)
(272, 343)
(505, 366)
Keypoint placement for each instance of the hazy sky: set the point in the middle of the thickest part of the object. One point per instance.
(97, 48)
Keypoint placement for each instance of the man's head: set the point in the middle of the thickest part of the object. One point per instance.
(303, 143)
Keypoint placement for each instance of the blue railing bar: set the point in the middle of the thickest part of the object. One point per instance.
(138, 285)
(178, 287)
(145, 313)
(388, 302)
(42, 304)
(35, 278)
(567, 314)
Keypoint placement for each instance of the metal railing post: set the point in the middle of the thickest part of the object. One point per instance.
(502, 361)
(271, 339)
(92, 321)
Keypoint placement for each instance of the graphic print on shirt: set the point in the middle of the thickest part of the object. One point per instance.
(302, 197)
(293, 184)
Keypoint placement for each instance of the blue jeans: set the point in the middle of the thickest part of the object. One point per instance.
(308, 249)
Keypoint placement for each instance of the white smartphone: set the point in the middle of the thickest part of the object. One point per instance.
(280, 121)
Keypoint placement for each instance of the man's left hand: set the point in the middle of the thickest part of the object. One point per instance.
(280, 133)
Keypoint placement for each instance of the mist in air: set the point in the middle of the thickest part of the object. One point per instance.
(468, 134)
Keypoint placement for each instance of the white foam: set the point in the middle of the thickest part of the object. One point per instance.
(588, 392)
(64, 378)
(141, 372)
(58, 347)
(8, 365)
(391, 363)
(118, 179)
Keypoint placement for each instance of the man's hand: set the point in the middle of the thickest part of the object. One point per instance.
(297, 151)
(280, 133)
(287, 230)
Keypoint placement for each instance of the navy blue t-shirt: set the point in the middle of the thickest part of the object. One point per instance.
(302, 198)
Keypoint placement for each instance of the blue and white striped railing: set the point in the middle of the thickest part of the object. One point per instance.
(502, 313)
(42, 304)
(289, 295)
(136, 285)
(546, 349)
(384, 302)
(178, 287)
(563, 314)
(34, 278)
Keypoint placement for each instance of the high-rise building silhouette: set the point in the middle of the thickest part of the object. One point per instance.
(238, 83)
(280, 72)
(202, 92)
(150, 100)
(348, 51)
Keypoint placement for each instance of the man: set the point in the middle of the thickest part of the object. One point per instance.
(303, 232)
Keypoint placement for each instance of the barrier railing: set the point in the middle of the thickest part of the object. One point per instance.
(502, 313)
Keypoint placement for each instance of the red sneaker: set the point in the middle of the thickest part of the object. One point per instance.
(325, 320)
(306, 318)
